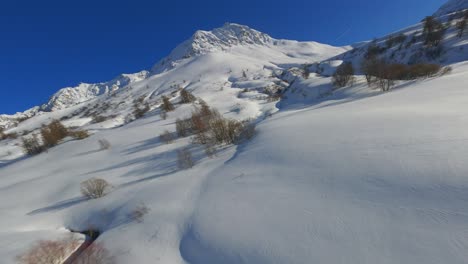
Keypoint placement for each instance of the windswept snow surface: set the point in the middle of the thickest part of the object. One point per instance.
(359, 177)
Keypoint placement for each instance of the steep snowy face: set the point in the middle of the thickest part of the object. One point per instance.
(69, 96)
(452, 6)
(219, 39)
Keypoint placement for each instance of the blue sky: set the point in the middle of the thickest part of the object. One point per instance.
(47, 45)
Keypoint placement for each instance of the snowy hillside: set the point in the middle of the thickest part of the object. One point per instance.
(407, 45)
(333, 175)
(451, 6)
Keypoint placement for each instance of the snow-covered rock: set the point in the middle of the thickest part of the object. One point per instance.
(69, 96)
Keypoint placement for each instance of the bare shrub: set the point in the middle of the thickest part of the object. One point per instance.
(96, 253)
(166, 104)
(104, 144)
(139, 212)
(98, 119)
(95, 188)
(395, 39)
(344, 75)
(12, 135)
(166, 137)
(248, 132)
(79, 134)
(53, 133)
(49, 252)
(210, 127)
(423, 70)
(433, 31)
(186, 97)
(183, 127)
(184, 159)
(31, 145)
(140, 111)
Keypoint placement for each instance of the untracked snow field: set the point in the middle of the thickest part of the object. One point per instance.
(358, 176)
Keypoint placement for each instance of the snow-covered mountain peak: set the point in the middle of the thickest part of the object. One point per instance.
(452, 6)
(218, 39)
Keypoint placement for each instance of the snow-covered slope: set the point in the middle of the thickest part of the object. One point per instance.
(452, 6)
(407, 45)
(363, 179)
(235, 48)
(349, 175)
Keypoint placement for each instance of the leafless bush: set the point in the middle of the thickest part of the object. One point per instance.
(31, 145)
(12, 135)
(140, 111)
(166, 104)
(104, 144)
(49, 252)
(183, 127)
(139, 212)
(53, 133)
(79, 134)
(95, 188)
(344, 75)
(186, 96)
(99, 119)
(184, 159)
(96, 253)
(166, 137)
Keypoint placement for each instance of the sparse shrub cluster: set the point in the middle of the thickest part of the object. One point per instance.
(385, 74)
(344, 75)
(32, 145)
(95, 188)
(53, 133)
(395, 39)
(167, 106)
(99, 119)
(3, 135)
(183, 127)
(49, 252)
(373, 50)
(139, 111)
(186, 97)
(433, 31)
(57, 252)
(210, 127)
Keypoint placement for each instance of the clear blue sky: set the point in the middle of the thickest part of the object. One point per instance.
(46, 45)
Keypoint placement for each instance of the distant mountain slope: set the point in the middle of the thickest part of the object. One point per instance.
(452, 6)
(255, 49)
